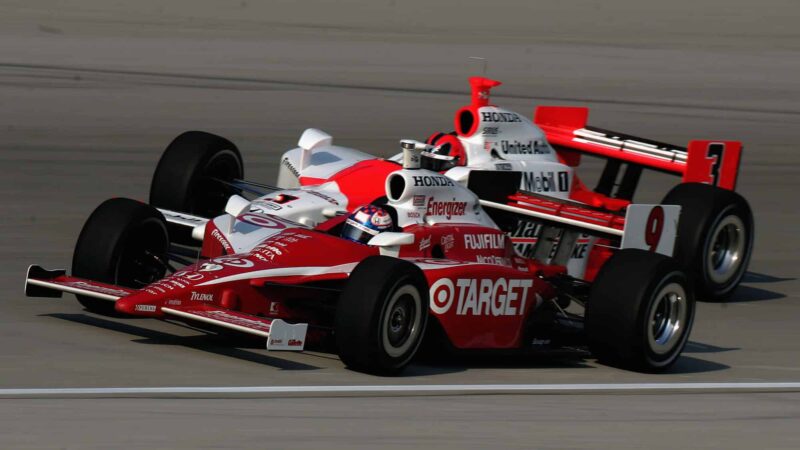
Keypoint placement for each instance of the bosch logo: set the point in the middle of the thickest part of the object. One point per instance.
(484, 297)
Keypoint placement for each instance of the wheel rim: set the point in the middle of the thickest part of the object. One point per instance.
(667, 318)
(726, 250)
(401, 323)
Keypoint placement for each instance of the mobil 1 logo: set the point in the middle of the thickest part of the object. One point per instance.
(546, 181)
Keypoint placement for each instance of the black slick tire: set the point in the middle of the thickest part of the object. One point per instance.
(185, 177)
(381, 315)
(715, 237)
(123, 242)
(632, 319)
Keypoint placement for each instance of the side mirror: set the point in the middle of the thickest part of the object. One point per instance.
(390, 242)
(236, 206)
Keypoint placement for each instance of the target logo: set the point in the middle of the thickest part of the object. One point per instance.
(262, 221)
(234, 262)
(442, 295)
(482, 297)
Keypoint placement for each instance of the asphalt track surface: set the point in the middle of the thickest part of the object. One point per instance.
(91, 92)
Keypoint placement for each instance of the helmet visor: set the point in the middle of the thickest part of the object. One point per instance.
(356, 232)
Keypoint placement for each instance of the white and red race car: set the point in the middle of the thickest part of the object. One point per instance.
(714, 241)
(277, 268)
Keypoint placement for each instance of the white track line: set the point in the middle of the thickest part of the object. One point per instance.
(433, 389)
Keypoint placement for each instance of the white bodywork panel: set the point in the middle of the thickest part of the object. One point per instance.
(651, 227)
(506, 135)
(323, 162)
(429, 198)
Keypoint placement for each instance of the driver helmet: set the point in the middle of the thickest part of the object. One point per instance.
(365, 223)
(447, 153)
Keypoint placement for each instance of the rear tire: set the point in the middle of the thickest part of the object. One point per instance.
(121, 243)
(640, 311)
(715, 237)
(381, 315)
(184, 177)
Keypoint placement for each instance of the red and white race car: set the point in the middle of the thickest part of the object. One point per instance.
(714, 241)
(436, 266)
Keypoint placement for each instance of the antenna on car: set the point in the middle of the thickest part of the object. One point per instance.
(483, 63)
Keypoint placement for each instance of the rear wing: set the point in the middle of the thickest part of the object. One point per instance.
(647, 227)
(702, 161)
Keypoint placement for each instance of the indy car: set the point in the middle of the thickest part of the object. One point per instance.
(715, 238)
(425, 262)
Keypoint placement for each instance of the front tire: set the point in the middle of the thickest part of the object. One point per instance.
(381, 315)
(715, 237)
(123, 242)
(185, 177)
(640, 311)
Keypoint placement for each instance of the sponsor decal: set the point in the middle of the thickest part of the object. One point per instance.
(264, 205)
(234, 262)
(484, 241)
(221, 239)
(323, 196)
(480, 297)
(230, 318)
(448, 242)
(503, 166)
(145, 308)
(291, 168)
(191, 276)
(437, 262)
(216, 264)
(447, 209)
(491, 131)
(202, 297)
(275, 341)
(413, 214)
(174, 302)
(515, 147)
(418, 200)
(494, 260)
(432, 181)
(95, 288)
(196, 220)
(500, 117)
(546, 181)
(262, 221)
(210, 267)
(425, 243)
(294, 342)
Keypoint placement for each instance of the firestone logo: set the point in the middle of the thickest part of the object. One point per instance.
(485, 297)
(447, 209)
